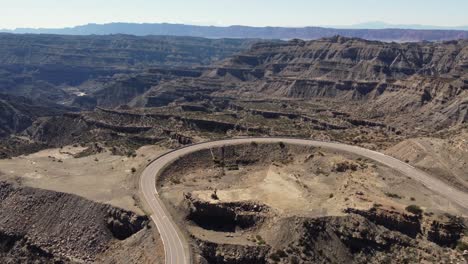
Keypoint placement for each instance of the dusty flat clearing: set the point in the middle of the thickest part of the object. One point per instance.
(298, 181)
(100, 177)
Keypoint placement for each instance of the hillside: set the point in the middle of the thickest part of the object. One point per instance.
(426, 82)
(404, 85)
(446, 157)
(32, 230)
(18, 113)
(54, 69)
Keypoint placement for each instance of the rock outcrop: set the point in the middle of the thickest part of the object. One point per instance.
(408, 224)
(44, 225)
(213, 253)
(226, 217)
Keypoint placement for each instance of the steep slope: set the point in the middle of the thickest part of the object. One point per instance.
(121, 90)
(18, 113)
(46, 226)
(445, 157)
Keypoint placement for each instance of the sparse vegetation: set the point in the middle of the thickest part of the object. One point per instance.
(393, 195)
(175, 181)
(428, 213)
(278, 255)
(271, 179)
(345, 166)
(462, 246)
(232, 167)
(131, 154)
(415, 209)
(275, 257)
(260, 240)
(214, 195)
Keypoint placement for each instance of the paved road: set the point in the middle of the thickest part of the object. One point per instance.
(176, 247)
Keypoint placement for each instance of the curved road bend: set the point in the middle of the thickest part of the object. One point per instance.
(176, 247)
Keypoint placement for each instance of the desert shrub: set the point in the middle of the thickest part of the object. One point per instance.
(345, 166)
(260, 240)
(133, 170)
(393, 195)
(275, 257)
(278, 255)
(415, 209)
(294, 260)
(175, 181)
(462, 246)
(281, 253)
(214, 196)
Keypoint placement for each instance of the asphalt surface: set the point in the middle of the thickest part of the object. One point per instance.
(176, 248)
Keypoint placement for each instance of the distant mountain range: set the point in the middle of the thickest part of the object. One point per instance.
(375, 31)
(383, 25)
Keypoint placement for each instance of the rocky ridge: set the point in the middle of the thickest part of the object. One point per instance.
(424, 82)
(361, 236)
(44, 225)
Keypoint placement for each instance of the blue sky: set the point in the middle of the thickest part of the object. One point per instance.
(61, 13)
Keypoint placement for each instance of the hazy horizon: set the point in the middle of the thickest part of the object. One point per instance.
(294, 13)
(364, 25)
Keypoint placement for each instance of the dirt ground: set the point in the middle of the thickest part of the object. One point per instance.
(100, 177)
(292, 181)
(444, 158)
(143, 247)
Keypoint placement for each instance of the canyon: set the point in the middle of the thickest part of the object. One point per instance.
(82, 116)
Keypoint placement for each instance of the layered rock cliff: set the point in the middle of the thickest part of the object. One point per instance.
(422, 82)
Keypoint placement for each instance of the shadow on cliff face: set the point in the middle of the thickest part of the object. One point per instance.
(124, 224)
(224, 217)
